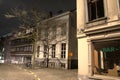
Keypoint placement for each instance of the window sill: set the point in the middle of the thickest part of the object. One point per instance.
(98, 19)
(96, 22)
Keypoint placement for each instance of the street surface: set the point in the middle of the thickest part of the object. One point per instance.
(17, 72)
(11, 72)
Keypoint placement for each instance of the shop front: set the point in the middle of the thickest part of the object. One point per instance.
(104, 55)
(106, 58)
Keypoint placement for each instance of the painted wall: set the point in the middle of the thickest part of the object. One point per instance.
(80, 16)
(82, 57)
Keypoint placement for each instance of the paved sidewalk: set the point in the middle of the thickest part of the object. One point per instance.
(12, 72)
(18, 72)
(55, 74)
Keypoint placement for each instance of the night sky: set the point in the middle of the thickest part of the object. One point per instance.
(9, 25)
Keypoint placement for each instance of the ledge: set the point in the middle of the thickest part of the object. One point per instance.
(96, 22)
(115, 25)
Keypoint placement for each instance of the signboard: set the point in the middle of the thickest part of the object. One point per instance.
(110, 49)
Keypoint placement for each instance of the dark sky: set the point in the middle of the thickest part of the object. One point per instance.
(8, 25)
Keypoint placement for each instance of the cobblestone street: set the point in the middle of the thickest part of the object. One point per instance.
(16, 72)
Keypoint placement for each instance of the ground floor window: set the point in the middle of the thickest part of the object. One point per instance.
(63, 50)
(1, 58)
(53, 50)
(106, 58)
(38, 51)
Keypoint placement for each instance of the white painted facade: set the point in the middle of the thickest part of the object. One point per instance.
(65, 32)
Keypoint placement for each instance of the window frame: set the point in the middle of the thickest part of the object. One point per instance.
(63, 50)
(93, 56)
(63, 29)
(97, 19)
(45, 51)
(53, 51)
(38, 51)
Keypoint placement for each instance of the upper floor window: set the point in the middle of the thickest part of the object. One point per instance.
(63, 29)
(95, 9)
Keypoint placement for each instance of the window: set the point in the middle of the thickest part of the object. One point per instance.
(38, 50)
(53, 50)
(63, 29)
(119, 3)
(17, 48)
(54, 33)
(62, 65)
(95, 9)
(45, 50)
(63, 50)
(31, 48)
(44, 34)
(25, 48)
(106, 58)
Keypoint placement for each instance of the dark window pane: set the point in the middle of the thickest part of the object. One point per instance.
(95, 9)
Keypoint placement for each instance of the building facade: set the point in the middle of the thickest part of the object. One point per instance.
(21, 46)
(2, 50)
(98, 33)
(5, 48)
(58, 42)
